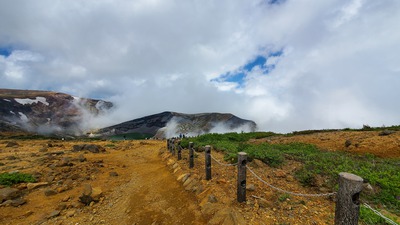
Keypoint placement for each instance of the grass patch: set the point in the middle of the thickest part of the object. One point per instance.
(9, 179)
(382, 174)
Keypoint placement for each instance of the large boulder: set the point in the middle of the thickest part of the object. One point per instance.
(9, 194)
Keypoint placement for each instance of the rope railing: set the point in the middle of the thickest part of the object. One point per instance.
(350, 185)
(222, 164)
(288, 192)
(380, 214)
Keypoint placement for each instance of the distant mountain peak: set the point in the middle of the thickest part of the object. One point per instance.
(169, 124)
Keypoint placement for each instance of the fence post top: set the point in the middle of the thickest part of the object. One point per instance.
(242, 153)
(207, 146)
(350, 176)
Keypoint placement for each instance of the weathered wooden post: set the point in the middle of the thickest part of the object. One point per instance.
(191, 156)
(179, 151)
(347, 203)
(173, 146)
(208, 162)
(168, 144)
(241, 178)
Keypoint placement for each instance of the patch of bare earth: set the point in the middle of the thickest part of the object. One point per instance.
(358, 142)
(126, 184)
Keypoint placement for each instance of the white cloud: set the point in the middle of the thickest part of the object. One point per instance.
(152, 56)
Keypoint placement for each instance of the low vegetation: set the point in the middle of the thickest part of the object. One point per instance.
(9, 179)
(382, 174)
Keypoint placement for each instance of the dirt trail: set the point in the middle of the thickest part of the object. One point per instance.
(152, 195)
(144, 191)
(156, 197)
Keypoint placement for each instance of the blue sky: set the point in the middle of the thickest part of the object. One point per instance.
(238, 76)
(4, 51)
(287, 65)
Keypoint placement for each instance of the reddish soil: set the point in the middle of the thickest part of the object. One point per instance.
(140, 182)
(387, 146)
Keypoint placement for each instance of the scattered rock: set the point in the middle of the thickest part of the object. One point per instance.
(61, 206)
(187, 182)
(53, 214)
(32, 186)
(50, 192)
(15, 202)
(12, 144)
(212, 198)
(9, 194)
(250, 187)
(91, 148)
(97, 193)
(66, 161)
(55, 153)
(70, 213)
(66, 198)
(113, 174)
(44, 149)
(367, 188)
(386, 132)
(347, 143)
(50, 178)
(75, 176)
(221, 181)
(86, 197)
(81, 158)
(183, 177)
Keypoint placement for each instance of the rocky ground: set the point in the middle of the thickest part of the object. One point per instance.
(140, 182)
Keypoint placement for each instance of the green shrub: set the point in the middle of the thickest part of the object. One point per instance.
(370, 218)
(9, 179)
(283, 197)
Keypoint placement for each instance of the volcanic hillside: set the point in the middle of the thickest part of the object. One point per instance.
(46, 112)
(168, 124)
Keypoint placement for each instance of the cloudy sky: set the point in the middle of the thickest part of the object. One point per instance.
(286, 64)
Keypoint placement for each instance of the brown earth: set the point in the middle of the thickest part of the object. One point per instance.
(140, 182)
(373, 142)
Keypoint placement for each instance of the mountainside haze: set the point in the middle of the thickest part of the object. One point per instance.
(46, 112)
(170, 124)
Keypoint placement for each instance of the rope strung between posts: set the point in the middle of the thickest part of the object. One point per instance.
(288, 192)
(380, 214)
(222, 164)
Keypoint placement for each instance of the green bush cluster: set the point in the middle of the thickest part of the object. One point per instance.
(9, 179)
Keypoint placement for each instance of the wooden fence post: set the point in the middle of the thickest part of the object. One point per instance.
(173, 147)
(241, 178)
(347, 204)
(168, 144)
(208, 162)
(191, 156)
(179, 151)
